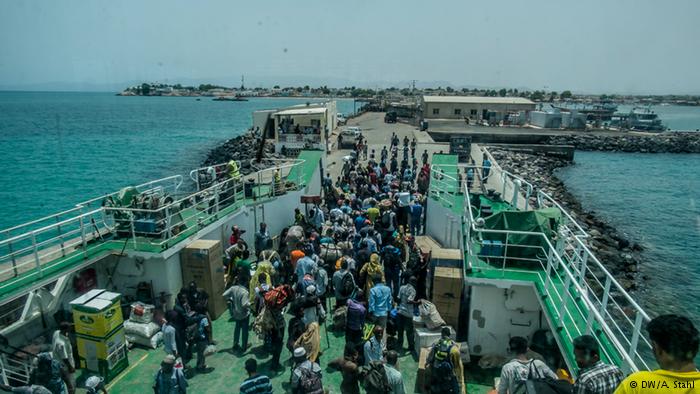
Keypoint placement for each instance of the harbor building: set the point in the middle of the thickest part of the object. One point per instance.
(475, 108)
(305, 126)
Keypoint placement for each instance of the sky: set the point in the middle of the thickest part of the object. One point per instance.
(620, 46)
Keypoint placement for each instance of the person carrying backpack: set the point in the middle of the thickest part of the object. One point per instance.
(306, 375)
(169, 380)
(343, 284)
(375, 379)
(391, 256)
(446, 370)
(516, 373)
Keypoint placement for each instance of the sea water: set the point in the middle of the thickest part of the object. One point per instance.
(655, 200)
(58, 149)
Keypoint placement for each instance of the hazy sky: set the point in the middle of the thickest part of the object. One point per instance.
(610, 46)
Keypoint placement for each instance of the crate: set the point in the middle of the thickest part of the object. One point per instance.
(97, 313)
(106, 356)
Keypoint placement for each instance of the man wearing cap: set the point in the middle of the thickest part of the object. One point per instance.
(170, 380)
(62, 350)
(303, 368)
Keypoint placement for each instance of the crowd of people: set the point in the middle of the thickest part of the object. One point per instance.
(351, 263)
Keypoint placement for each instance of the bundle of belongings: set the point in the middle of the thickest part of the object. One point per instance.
(140, 328)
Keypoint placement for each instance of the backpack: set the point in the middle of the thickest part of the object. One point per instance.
(278, 297)
(537, 384)
(391, 259)
(347, 285)
(310, 381)
(443, 377)
(340, 318)
(386, 219)
(178, 378)
(376, 381)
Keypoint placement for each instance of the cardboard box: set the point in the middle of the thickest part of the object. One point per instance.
(449, 310)
(97, 313)
(421, 375)
(106, 356)
(448, 283)
(201, 262)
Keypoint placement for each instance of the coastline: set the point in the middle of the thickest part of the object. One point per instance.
(622, 256)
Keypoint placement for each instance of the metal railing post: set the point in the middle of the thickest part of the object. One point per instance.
(550, 263)
(168, 224)
(635, 336)
(505, 255)
(606, 296)
(82, 234)
(584, 265)
(133, 229)
(60, 237)
(35, 248)
(12, 253)
(565, 299)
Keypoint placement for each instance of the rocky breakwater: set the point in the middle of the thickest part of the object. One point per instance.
(244, 148)
(669, 142)
(620, 255)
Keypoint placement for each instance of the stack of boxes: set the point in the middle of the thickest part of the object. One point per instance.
(201, 262)
(99, 329)
(447, 294)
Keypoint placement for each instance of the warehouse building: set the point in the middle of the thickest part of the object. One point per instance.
(474, 108)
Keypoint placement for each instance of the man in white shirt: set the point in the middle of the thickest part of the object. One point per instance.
(516, 371)
(62, 350)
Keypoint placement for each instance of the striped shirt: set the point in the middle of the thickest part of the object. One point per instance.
(256, 384)
(599, 378)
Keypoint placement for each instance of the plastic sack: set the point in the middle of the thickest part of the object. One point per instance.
(295, 234)
(151, 342)
(145, 330)
(141, 313)
(209, 350)
(430, 315)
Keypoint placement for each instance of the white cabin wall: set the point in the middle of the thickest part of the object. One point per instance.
(496, 314)
(442, 224)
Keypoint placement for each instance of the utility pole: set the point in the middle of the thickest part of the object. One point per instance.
(413, 87)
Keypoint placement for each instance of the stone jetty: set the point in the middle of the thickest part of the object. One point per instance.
(669, 142)
(245, 149)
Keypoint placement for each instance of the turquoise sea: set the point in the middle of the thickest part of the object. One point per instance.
(655, 200)
(58, 149)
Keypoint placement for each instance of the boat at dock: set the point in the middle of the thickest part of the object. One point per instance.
(639, 118)
(229, 98)
(517, 263)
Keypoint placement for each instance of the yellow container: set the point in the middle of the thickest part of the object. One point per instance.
(97, 313)
(106, 356)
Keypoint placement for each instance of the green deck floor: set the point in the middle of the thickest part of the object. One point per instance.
(228, 369)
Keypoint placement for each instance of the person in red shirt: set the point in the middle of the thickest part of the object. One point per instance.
(236, 234)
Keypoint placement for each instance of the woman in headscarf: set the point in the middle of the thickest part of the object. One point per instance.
(370, 270)
(311, 341)
(264, 267)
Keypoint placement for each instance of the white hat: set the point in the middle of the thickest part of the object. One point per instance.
(299, 352)
(93, 382)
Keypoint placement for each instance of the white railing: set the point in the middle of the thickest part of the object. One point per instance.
(34, 247)
(579, 287)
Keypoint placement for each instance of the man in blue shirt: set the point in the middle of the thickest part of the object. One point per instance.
(255, 383)
(416, 211)
(360, 222)
(379, 302)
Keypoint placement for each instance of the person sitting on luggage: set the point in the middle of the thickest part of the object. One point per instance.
(516, 371)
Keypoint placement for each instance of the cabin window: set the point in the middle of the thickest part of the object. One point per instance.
(473, 112)
(436, 111)
(458, 111)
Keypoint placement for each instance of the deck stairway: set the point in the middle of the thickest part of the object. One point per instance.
(577, 293)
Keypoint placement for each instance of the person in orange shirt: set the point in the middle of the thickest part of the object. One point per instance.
(675, 342)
